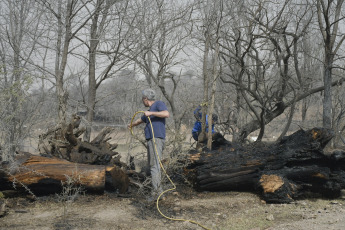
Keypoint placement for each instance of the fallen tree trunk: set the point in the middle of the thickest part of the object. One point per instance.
(280, 172)
(43, 175)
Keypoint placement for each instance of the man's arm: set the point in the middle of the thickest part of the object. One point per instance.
(161, 114)
(135, 123)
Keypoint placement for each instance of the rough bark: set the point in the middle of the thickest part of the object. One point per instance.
(44, 175)
(280, 172)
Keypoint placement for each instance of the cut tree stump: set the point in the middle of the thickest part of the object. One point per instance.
(280, 172)
(43, 175)
(64, 143)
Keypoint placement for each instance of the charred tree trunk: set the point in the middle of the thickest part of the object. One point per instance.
(43, 175)
(280, 172)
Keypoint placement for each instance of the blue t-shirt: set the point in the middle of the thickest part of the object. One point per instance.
(158, 123)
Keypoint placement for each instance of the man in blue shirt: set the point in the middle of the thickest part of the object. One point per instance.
(157, 113)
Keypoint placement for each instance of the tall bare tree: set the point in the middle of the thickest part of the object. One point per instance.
(100, 25)
(269, 78)
(70, 20)
(19, 30)
(211, 13)
(160, 33)
(331, 20)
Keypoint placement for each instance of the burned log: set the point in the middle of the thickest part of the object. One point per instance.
(280, 172)
(64, 143)
(45, 175)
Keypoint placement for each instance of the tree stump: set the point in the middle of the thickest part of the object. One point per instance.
(65, 143)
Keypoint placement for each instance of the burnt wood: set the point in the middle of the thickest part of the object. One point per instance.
(279, 172)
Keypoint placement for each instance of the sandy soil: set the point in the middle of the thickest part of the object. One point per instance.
(222, 210)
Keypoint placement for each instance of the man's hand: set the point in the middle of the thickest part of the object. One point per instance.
(148, 113)
(135, 123)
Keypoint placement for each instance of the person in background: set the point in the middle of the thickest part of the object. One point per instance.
(157, 112)
(197, 125)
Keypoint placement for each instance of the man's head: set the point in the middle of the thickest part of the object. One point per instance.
(148, 96)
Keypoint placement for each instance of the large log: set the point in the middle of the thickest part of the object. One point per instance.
(43, 175)
(280, 172)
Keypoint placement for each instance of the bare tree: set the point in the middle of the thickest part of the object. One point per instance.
(309, 66)
(19, 29)
(100, 22)
(262, 54)
(330, 17)
(211, 13)
(70, 20)
(160, 32)
(207, 33)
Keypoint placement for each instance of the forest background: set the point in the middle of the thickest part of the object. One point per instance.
(267, 68)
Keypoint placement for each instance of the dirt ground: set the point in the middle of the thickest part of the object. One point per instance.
(221, 210)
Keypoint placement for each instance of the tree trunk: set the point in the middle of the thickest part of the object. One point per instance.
(280, 172)
(43, 175)
(202, 135)
(329, 15)
(94, 41)
(61, 66)
(327, 100)
(213, 92)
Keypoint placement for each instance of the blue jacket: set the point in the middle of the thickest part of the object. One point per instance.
(197, 128)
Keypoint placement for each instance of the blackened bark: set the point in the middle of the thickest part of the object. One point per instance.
(280, 172)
